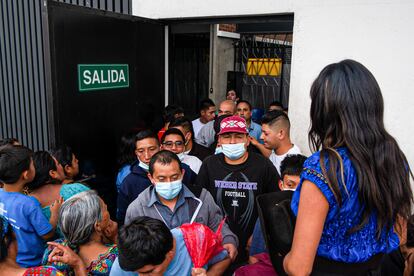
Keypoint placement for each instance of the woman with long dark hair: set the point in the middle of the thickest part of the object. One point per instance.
(355, 193)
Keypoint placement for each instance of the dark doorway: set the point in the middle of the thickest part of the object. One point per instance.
(189, 70)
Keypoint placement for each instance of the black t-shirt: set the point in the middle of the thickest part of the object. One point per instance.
(235, 188)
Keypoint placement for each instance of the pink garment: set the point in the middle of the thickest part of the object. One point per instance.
(262, 268)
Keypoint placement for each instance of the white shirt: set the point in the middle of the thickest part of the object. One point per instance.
(206, 135)
(193, 162)
(197, 125)
(277, 159)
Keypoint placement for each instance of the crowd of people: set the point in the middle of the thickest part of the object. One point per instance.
(344, 210)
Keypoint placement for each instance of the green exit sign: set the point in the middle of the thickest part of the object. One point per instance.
(102, 76)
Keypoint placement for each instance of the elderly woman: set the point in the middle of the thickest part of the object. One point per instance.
(8, 251)
(87, 227)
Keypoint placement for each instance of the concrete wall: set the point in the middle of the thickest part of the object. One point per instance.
(378, 33)
(223, 58)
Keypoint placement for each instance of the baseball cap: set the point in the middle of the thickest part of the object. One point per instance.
(233, 124)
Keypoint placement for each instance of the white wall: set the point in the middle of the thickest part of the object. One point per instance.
(379, 34)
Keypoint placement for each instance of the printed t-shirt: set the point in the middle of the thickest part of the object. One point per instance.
(235, 188)
(24, 213)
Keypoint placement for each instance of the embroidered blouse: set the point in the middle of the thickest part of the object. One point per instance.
(99, 267)
(337, 242)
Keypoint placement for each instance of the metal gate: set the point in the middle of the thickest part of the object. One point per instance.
(264, 65)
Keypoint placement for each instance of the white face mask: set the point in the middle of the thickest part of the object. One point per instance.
(287, 189)
(144, 166)
(181, 156)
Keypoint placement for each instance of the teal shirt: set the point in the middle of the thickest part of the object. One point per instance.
(67, 191)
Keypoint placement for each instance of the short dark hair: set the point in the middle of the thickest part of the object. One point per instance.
(185, 123)
(63, 155)
(271, 117)
(164, 157)
(43, 163)
(246, 102)
(14, 160)
(8, 141)
(292, 165)
(170, 111)
(205, 104)
(276, 103)
(144, 241)
(144, 134)
(172, 131)
(231, 89)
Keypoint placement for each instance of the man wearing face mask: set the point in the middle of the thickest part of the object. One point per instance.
(147, 145)
(236, 177)
(169, 200)
(173, 140)
(191, 147)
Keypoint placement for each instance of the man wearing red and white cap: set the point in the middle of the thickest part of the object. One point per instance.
(236, 177)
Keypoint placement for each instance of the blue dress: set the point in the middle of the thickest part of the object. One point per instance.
(336, 242)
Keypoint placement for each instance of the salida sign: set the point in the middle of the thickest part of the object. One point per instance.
(102, 76)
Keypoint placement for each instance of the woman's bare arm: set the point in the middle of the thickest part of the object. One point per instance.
(312, 212)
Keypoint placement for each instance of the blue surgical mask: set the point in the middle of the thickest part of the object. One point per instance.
(144, 166)
(168, 190)
(218, 150)
(233, 151)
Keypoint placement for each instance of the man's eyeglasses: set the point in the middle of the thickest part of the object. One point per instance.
(171, 143)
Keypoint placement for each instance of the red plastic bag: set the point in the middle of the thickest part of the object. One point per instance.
(201, 242)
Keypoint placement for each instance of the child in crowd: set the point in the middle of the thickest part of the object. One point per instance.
(66, 157)
(23, 212)
(291, 168)
(47, 185)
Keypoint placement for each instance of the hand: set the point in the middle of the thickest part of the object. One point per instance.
(232, 250)
(198, 272)
(64, 254)
(253, 260)
(253, 141)
(55, 207)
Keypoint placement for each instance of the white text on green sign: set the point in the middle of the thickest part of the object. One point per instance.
(102, 76)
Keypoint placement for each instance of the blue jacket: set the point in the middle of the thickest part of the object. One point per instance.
(136, 182)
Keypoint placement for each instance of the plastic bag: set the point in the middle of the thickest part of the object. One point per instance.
(201, 242)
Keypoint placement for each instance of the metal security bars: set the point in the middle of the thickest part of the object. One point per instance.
(256, 53)
(22, 79)
(23, 100)
(120, 6)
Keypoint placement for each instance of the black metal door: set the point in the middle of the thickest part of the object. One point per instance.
(93, 121)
